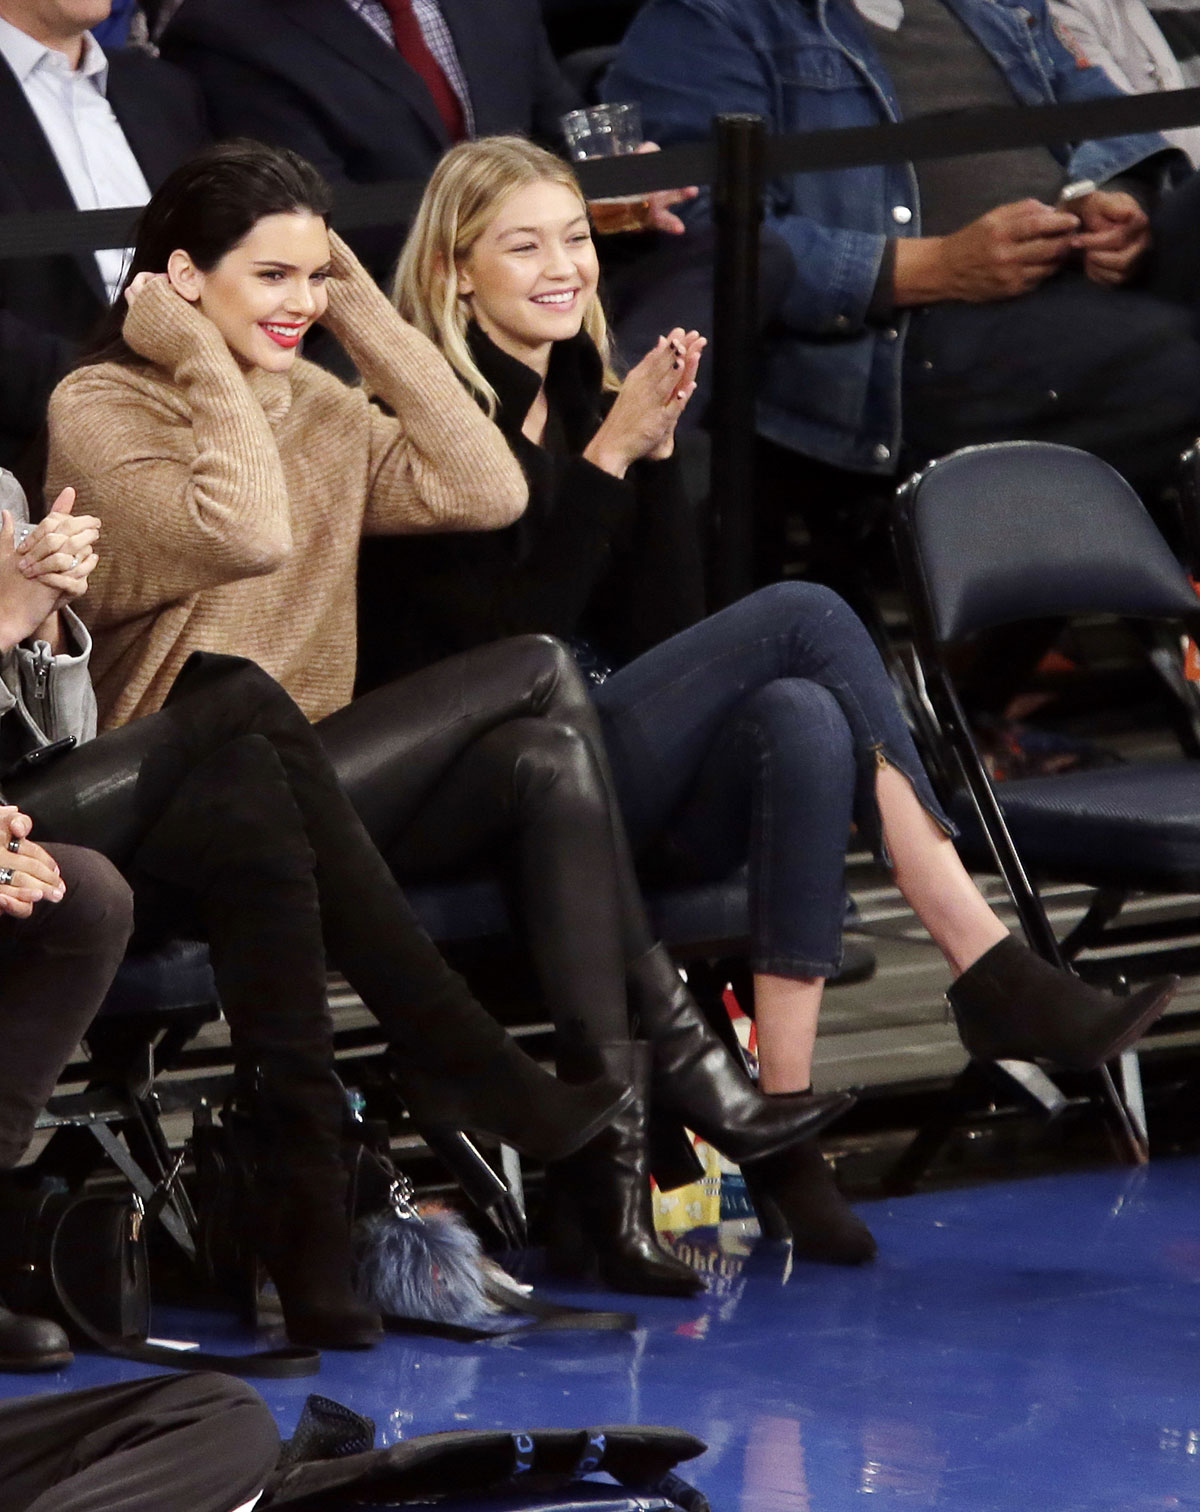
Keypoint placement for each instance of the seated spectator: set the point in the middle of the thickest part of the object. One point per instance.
(1123, 38)
(761, 732)
(236, 482)
(963, 302)
(65, 913)
(224, 813)
(82, 130)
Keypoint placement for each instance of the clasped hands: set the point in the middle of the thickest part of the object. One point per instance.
(35, 873)
(48, 569)
(642, 421)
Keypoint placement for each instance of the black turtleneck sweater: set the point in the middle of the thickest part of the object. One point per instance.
(615, 562)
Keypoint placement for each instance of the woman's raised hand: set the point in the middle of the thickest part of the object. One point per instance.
(142, 282)
(58, 553)
(347, 277)
(642, 420)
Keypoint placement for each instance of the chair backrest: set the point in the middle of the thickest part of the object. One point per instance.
(1025, 530)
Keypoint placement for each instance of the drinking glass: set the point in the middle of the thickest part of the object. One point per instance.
(608, 131)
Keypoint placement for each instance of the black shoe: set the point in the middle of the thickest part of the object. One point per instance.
(601, 1220)
(1013, 1005)
(510, 1098)
(697, 1080)
(796, 1197)
(28, 1343)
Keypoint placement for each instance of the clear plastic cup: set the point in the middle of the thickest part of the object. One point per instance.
(608, 131)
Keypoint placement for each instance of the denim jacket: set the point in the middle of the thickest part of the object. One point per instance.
(831, 380)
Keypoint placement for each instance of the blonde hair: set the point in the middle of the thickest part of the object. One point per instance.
(467, 188)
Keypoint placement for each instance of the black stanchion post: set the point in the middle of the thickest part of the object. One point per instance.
(738, 212)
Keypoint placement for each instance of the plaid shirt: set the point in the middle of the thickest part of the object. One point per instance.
(437, 39)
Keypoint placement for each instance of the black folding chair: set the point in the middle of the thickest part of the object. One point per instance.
(994, 535)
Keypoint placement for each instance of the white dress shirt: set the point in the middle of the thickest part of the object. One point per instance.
(72, 109)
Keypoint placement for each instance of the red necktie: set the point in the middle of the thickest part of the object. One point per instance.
(413, 48)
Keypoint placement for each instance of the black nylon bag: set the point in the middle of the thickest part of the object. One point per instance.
(533, 1465)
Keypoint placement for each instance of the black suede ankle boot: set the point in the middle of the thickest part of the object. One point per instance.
(698, 1081)
(796, 1198)
(1013, 1005)
(600, 1216)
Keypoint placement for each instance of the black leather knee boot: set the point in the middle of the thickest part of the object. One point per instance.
(600, 1218)
(697, 1080)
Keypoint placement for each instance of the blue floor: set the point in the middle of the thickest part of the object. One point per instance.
(1030, 1345)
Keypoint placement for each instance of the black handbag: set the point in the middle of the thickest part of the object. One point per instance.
(81, 1259)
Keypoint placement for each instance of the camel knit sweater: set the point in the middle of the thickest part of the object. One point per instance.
(233, 504)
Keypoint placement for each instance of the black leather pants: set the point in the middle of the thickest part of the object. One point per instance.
(490, 754)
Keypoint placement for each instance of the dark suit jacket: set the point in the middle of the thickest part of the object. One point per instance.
(313, 76)
(49, 304)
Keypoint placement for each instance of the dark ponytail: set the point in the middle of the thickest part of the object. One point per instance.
(207, 207)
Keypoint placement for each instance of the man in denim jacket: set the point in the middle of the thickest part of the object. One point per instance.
(948, 302)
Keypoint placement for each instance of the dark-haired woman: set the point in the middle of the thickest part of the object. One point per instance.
(224, 813)
(760, 732)
(235, 481)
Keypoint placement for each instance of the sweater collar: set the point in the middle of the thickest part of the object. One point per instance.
(573, 383)
(273, 392)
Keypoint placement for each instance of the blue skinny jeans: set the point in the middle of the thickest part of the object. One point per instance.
(756, 736)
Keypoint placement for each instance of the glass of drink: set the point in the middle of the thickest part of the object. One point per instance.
(608, 131)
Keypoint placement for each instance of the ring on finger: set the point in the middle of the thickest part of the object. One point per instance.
(6, 876)
(14, 845)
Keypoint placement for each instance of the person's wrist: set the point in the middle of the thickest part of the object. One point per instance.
(923, 270)
(13, 630)
(610, 458)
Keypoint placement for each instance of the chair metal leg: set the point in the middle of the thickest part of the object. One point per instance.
(973, 1090)
(1126, 1114)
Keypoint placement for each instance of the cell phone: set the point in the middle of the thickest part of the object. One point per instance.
(1080, 189)
(34, 761)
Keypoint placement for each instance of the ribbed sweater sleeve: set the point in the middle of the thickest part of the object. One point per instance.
(437, 462)
(192, 496)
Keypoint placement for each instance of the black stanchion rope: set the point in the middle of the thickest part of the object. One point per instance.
(948, 134)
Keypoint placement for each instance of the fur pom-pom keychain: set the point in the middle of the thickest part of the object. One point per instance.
(424, 1270)
(427, 1266)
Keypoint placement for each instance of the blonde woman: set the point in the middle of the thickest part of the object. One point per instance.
(235, 480)
(760, 733)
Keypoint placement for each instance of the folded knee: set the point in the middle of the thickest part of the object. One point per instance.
(97, 907)
(793, 712)
(555, 757)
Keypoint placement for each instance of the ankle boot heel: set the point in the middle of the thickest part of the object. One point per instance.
(305, 1249)
(1013, 1005)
